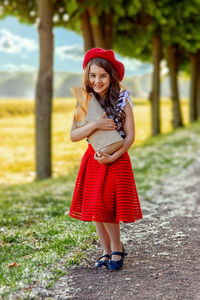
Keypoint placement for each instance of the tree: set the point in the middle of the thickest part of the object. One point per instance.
(97, 21)
(184, 45)
(193, 49)
(44, 90)
(166, 17)
(141, 33)
(155, 96)
(30, 12)
(174, 56)
(171, 21)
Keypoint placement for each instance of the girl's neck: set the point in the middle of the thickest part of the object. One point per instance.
(103, 96)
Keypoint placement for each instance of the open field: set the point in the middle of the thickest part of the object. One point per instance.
(17, 136)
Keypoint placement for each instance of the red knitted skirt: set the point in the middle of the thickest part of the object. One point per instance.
(105, 193)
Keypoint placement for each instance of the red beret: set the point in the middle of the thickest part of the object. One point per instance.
(106, 54)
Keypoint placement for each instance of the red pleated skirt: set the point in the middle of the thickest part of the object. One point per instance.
(105, 193)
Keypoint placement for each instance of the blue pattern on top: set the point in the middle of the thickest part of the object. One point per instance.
(122, 99)
(121, 102)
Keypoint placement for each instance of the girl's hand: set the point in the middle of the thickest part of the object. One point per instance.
(103, 158)
(105, 123)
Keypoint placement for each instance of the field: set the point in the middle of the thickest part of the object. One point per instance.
(17, 153)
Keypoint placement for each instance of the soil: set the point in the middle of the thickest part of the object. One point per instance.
(163, 249)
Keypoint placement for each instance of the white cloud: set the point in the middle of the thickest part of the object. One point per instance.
(15, 44)
(13, 68)
(135, 66)
(73, 52)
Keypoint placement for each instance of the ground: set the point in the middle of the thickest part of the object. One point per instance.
(163, 249)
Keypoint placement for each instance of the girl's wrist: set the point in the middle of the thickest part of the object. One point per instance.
(94, 125)
(113, 157)
(118, 153)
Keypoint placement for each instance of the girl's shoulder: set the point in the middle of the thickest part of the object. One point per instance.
(123, 97)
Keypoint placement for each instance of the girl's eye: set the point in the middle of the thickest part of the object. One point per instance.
(103, 76)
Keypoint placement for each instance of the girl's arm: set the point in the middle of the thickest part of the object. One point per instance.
(129, 129)
(79, 133)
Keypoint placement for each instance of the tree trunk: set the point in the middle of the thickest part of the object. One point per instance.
(193, 87)
(97, 32)
(198, 85)
(44, 91)
(87, 31)
(155, 94)
(173, 59)
(108, 29)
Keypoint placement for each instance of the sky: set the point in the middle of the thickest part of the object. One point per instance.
(19, 50)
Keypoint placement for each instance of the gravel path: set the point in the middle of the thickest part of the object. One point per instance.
(163, 248)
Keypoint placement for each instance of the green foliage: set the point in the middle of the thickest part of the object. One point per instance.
(177, 21)
(25, 11)
(136, 21)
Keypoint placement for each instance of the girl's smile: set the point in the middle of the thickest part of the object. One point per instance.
(99, 79)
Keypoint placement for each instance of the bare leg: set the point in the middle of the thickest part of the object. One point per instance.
(114, 234)
(103, 237)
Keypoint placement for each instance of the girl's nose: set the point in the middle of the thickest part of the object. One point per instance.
(98, 79)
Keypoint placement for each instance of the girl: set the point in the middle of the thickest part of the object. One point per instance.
(105, 190)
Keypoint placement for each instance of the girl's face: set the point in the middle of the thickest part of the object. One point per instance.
(99, 79)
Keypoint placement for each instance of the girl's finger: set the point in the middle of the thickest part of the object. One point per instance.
(113, 123)
(100, 152)
(97, 154)
(96, 157)
(103, 154)
(99, 160)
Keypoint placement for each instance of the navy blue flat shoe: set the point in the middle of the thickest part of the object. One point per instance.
(100, 263)
(114, 265)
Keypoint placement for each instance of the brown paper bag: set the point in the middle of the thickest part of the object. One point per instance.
(107, 141)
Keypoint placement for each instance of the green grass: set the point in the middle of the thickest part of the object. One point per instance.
(36, 233)
(165, 154)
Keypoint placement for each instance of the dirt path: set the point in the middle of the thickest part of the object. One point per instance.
(163, 248)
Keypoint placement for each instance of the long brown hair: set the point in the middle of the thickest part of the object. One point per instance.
(109, 102)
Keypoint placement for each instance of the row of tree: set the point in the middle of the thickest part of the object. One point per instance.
(148, 30)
